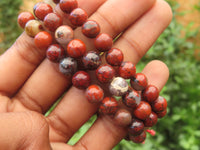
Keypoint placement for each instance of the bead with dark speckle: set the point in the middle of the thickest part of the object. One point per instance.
(41, 9)
(90, 29)
(52, 21)
(127, 70)
(94, 94)
(68, 5)
(151, 120)
(160, 104)
(81, 80)
(114, 57)
(108, 106)
(136, 127)
(68, 66)
(55, 53)
(162, 113)
(78, 17)
(150, 93)
(105, 73)
(139, 138)
(139, 82)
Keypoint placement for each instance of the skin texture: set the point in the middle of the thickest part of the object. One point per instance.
(26, 101)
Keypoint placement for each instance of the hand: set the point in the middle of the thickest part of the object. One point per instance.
(30, 84)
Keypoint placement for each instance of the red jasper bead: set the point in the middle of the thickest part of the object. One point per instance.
(52, 21)
(68, 5)
(76, 48)
(122, 118)
(108, 106)
(103, 42)
(55, 53)
(150, 93)
(81, 80)
(162, 113)
(43, 40)
(159, 105)
(90, 29)
(78, 17)
(139, 138)
(127, 70)
(136, 127)
(132, 99)
(94, 94)
(151, 120)
(114, 57)
(105, 73)
(139, 82)
(142, 111)
(24, 17)
(91, 60)
(41, 10)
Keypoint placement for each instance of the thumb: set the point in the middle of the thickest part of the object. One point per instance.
(26, 130)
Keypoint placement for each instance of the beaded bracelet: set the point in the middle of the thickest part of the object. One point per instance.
(140, 105)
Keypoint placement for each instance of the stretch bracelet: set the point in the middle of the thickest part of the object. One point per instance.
(134, 103)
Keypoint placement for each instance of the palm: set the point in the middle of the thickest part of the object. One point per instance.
(30, 84)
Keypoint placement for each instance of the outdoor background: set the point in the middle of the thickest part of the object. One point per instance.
(178, 47)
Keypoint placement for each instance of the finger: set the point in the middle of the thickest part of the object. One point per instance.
(73, 111)
(31, 132)
(19, 62)
(104, 134)
(46, 72)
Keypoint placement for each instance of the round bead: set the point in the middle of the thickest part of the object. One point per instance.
(55, 53)
(81, 80)
(118, 86)
(68, 5)
(151, 120)
(162, 113)
(68, 66)
(76, 48)
(103, 42)
(127, 70)
(136, 127)
(159, 105)
(43, 40)
(150, 93)
(90, 29)
(91, 60)
(105, 73)
(24, 17)
(123, 118)
(139, 138)
(41, 9)
(132, 99)
(140, 82)
(78, 17)
(64, 34)
(114, 57)
(52, 21)
(108, 106)
(56, 1)
(94, 94)
(33, 27)
(142, 111)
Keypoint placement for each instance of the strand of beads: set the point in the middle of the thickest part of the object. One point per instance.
(139, 106)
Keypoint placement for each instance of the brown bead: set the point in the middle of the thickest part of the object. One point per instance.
(90, 29)
(24, 17)
(151, 120)
(52, 21)
(78, 17)
(103, 42)
(33, 27)
(68, 5)
(136, 127)
(122, 118)
(56, 1)
(81, 80)
(162, 113)
(139, 82)
(150, 93)
(139, 138)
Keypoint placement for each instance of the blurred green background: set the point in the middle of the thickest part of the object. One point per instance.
(179, 48)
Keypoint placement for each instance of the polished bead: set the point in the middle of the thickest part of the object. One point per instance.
(41, 9)
(139, 82)
(68, 66)
(68, 5)
(114, 57)
(24, 17)
(108, 106)
(122, 118)
(162, 113)
(90, 29)
(78, 17)
(118, 86)
(91, 60)
(55, 53)
(81, 80)
(151, 120)
(159, 105)
(142, 111)
(33, 27)
(132, 99)
(94, 94)
(127, 70)
(136, 127)
(64, 34)
(105, 73)
(139, 138)
(76, 48)
(52, 21)
(103, 42)
(150, 93)
(43, 40)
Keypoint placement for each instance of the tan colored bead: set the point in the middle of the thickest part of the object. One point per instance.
(33, 27)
